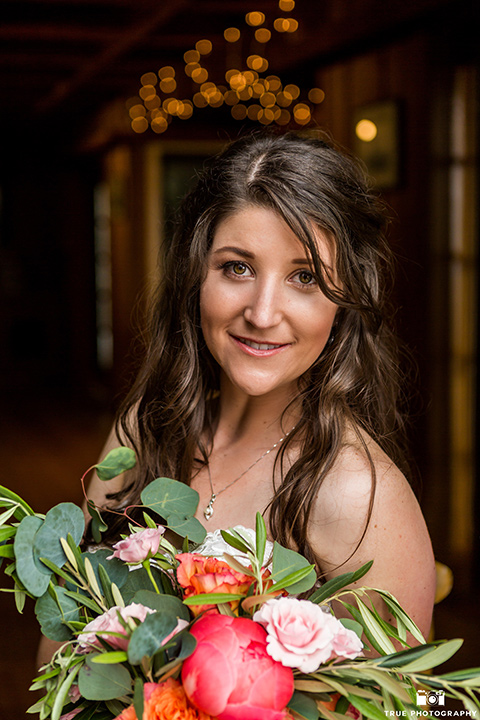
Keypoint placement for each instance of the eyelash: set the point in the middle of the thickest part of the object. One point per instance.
(228, 266)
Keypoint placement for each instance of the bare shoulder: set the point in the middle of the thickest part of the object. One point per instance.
(358, 518)
(99, 489)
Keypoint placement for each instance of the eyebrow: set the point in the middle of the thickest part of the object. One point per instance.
(250, 256)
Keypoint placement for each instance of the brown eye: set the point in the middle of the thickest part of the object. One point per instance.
(239, 268)
(305, 277)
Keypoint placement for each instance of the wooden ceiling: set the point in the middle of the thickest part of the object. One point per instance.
(62, 61)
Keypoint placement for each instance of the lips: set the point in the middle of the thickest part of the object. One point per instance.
(257, 348)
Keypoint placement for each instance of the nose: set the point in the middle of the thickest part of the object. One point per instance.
(264, 307)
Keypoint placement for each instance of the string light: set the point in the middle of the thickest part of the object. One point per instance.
(247, 93)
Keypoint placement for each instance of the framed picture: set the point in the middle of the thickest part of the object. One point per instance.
(376, 141)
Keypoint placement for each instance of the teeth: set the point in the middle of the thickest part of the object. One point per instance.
(259, 346)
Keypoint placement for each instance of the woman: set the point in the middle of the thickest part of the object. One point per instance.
(270, 378)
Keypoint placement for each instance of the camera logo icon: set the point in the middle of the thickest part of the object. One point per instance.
(430, 698)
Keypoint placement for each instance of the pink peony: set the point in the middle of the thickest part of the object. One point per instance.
(139, 546)
(109, 623)
(302, 635)
(231, 676)
(70, 715)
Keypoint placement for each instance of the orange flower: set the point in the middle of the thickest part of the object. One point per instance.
(198, 574)
(165, 701)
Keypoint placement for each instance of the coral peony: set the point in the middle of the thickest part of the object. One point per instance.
(139, 546)
(231, 676)
(302, 635)
(108, 623)
(165, 701)
(198, 574)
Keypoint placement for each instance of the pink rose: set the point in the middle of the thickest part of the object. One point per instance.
(300, 633)
(231, 676)
(346, 643)
(109, 623)
(139, 546)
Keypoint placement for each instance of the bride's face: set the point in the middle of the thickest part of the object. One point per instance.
(264, 318)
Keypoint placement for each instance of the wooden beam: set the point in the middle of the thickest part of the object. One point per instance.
(132, 37)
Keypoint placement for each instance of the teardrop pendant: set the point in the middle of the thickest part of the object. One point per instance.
(208, 512)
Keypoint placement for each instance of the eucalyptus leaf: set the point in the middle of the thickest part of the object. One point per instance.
(304, 706)
(285, 562)
(168, 604)
(116, 570)
(34, 576)
(103, 682)
(61, 520)
(186, 527)
(166, 497)
(147, 639)
(139, 580)
(54, 612)
(117, 461)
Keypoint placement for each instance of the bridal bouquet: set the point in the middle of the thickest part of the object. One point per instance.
(212, 630)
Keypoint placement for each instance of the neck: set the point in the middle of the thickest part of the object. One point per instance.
(245, 418)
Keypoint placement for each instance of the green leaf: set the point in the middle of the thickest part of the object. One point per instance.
(351, 624)
(116, 570)
(304, 706)
(293, 580)
(399, 613)
(186, 527)
(139, 580)
(33, 576)
(367, 708)
(98, 525)
(7, 551)
(138, 698)
(106, 585)
(54, 612)
(260, 537)
(234, 541)
(117, 461)
(285, 562)
(375, 628)
(5, 516)
(111, 658)
(10, 495)
(7, 532)
(166, 497)
(399, 659)
(61, 520)
(436, 656)
(103, 682)
(62, 692)
(337, 583)
(212, 598)
(147, 639)
(168, 604)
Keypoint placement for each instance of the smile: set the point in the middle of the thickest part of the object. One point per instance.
(259, 349)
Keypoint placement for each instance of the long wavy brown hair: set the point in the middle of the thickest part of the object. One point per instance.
(169, 413)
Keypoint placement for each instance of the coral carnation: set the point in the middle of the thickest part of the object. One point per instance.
(165, 701)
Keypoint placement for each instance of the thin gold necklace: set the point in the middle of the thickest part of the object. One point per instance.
(208, 512)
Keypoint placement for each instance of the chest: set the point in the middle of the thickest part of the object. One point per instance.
(238, 497)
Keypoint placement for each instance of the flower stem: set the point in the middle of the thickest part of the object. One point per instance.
(146, 565)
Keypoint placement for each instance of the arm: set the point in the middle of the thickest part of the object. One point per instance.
(396, 538)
